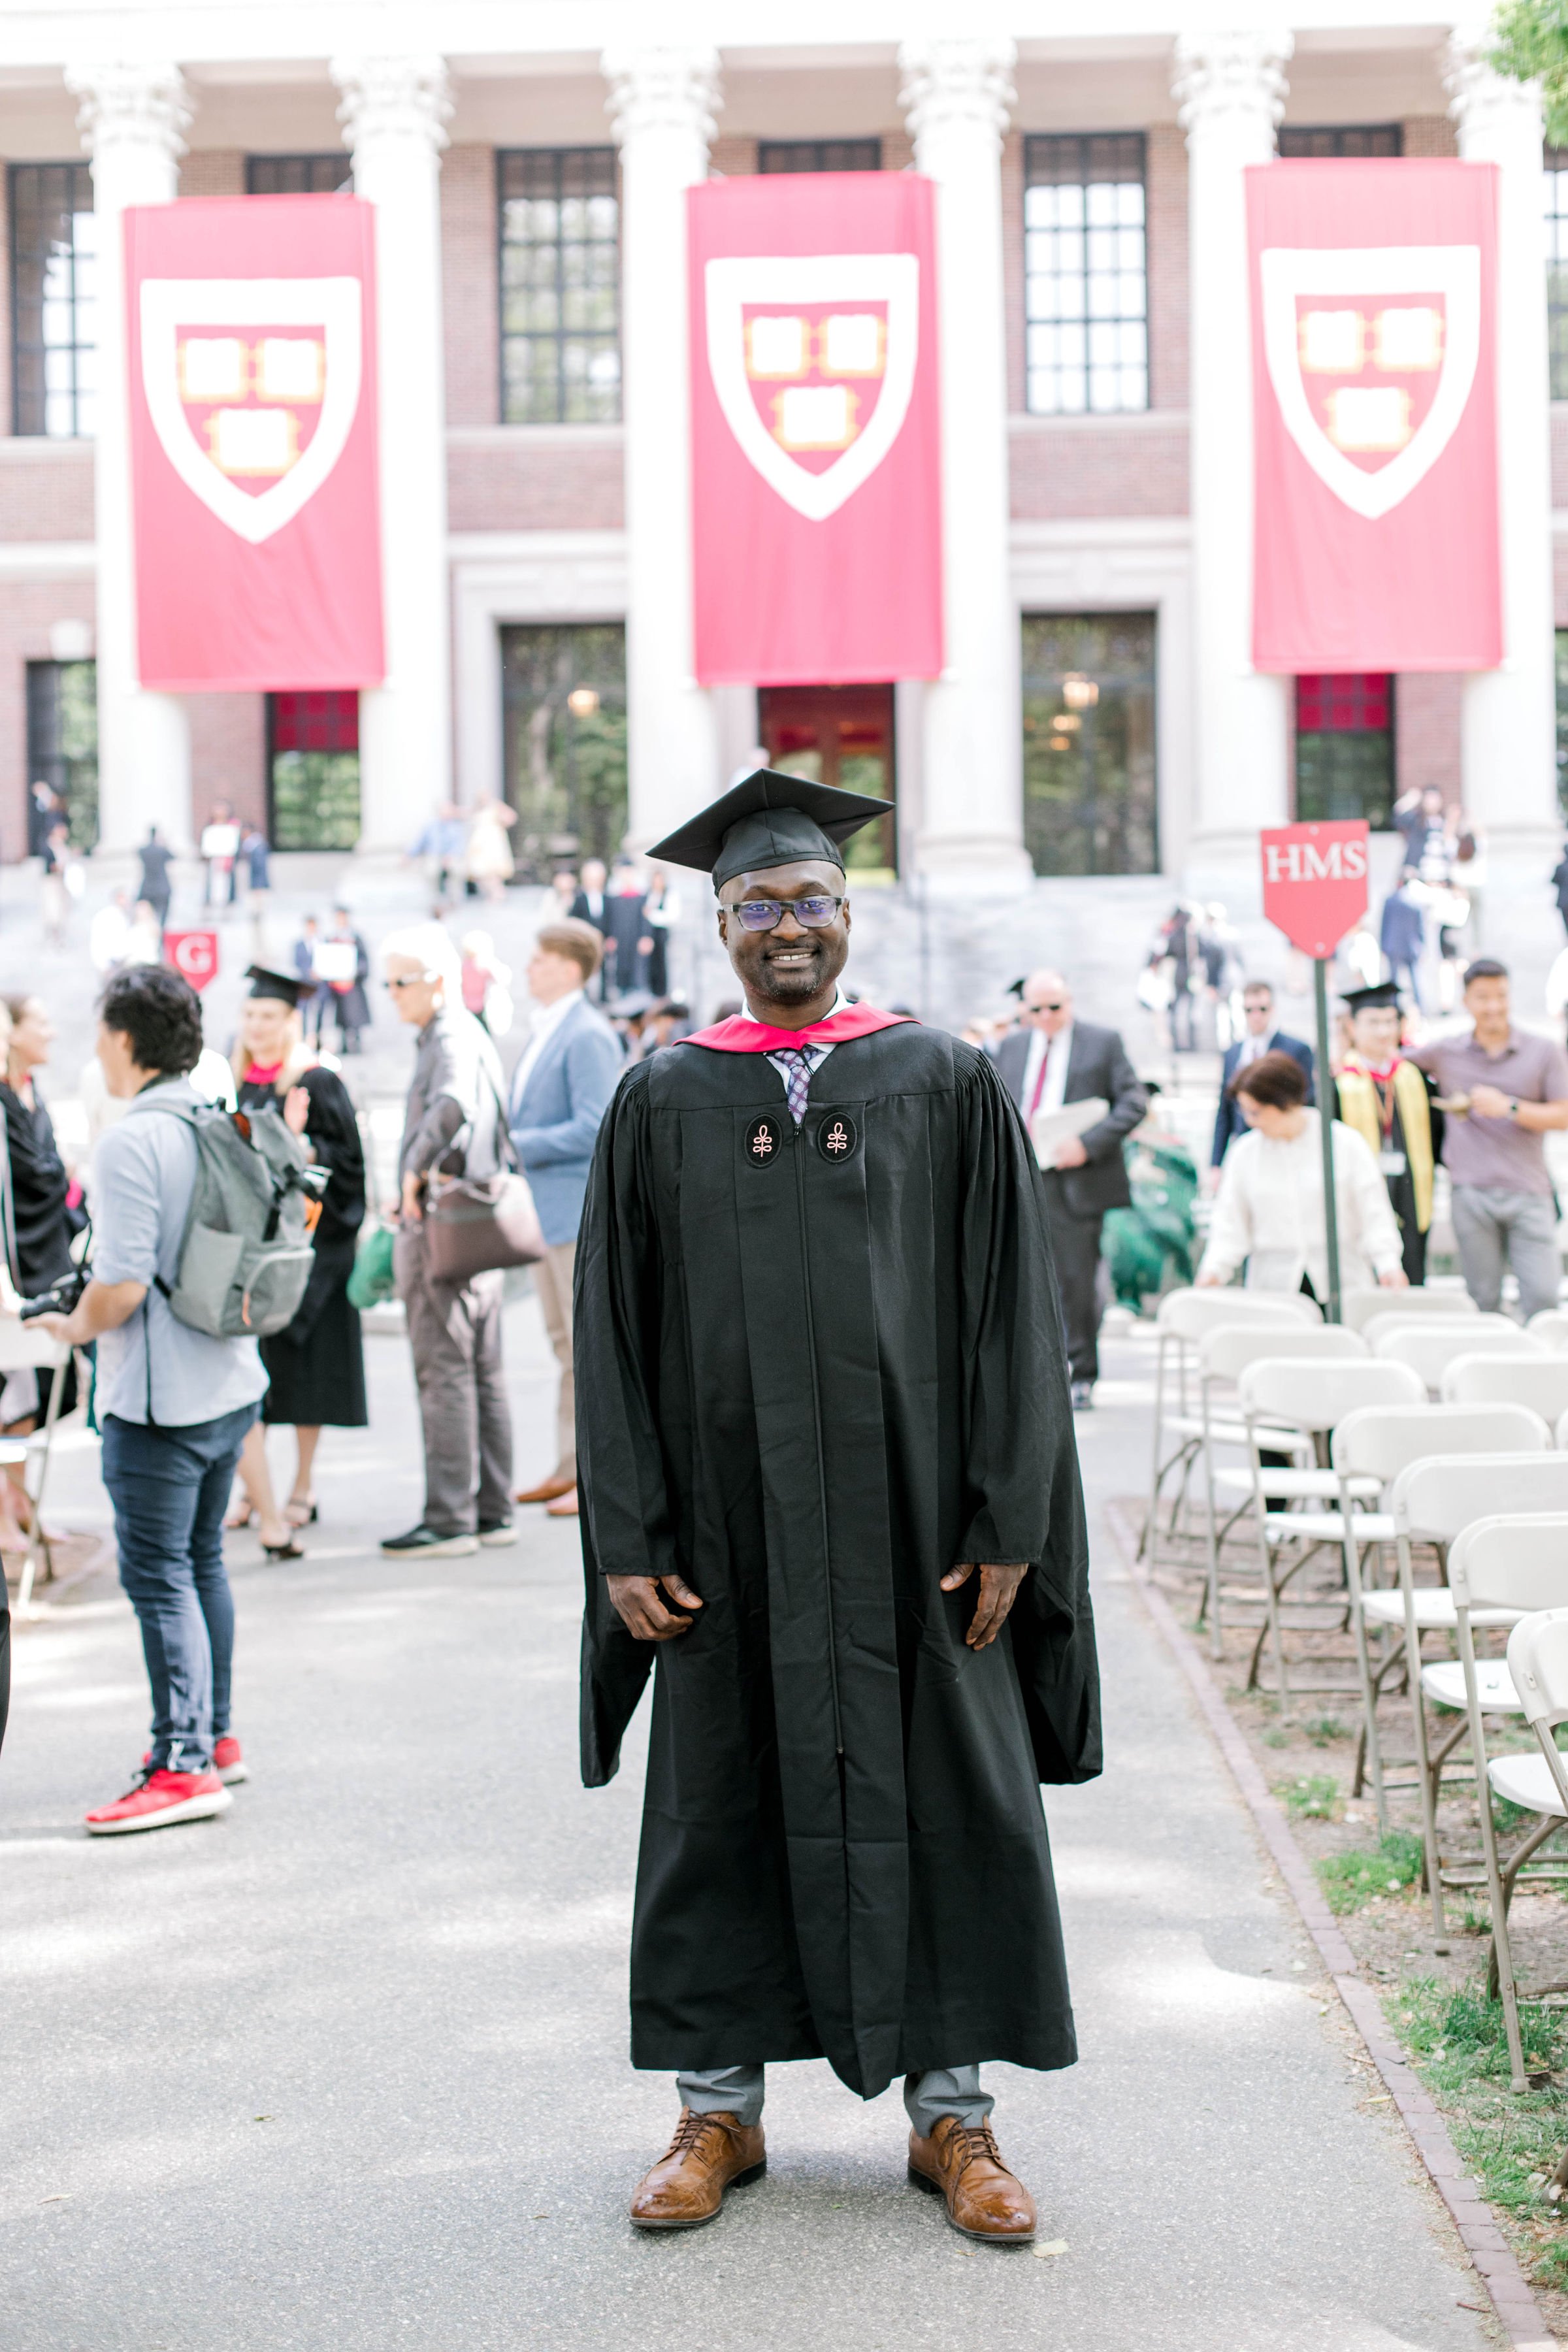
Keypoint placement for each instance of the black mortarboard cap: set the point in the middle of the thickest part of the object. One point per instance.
(1372, 1000)
(287, 987)
(768, 819)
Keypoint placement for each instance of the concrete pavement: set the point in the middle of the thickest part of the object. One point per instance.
(346, 2069)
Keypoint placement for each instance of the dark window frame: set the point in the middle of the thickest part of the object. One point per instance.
(580, 750)
(1097, 159)
(561, 335)
(819, 155)
(1343, 140)
(329, 174)
(1042, 685)
(25, 347)
(1349, 701)
(73, 776)
(275, 749)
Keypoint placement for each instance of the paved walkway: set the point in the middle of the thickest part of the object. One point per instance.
(345, 2070)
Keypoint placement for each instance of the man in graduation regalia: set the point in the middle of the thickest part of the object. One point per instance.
(831, 1502)
(1388, 1101)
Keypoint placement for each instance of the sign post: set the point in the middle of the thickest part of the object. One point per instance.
(1314, 889)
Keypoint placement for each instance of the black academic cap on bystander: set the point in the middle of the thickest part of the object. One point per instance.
(1384, 997)
(287, 987)
(768, 819)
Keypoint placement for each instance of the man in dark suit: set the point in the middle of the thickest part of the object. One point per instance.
(1262, 1037)
(1050, 1059)
(592, 906)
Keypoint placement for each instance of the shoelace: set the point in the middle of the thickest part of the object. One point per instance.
(689, 2132)
(972, 2141)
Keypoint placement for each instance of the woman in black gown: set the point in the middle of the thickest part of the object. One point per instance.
(315, 1366)
(44, 1217)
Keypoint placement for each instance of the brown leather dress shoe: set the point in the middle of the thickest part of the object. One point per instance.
(707, 2155)
(546, 1490)
(964, 2164)
(565, 1506)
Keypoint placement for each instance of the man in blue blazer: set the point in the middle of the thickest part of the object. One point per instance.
(1262, 1037)
(561, 1090)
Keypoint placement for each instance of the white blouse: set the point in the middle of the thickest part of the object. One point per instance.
(1269, 1212)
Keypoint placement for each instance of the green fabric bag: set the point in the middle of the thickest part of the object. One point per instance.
(372, 1279)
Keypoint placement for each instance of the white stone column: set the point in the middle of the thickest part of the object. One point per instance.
(131, 117)
(394, 113)
(1230, 87)
(1509, 750)
(661, 103)
(956, 95)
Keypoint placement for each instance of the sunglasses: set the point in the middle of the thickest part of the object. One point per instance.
(813, 914)
(1050, 1004)
(411, 978)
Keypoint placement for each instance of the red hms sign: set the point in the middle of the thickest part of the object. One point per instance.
(1315, 881)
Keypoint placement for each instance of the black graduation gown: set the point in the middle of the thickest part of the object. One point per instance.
(315, 1366)
(813, 1381)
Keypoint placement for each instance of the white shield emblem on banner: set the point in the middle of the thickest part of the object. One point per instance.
(252, 385)
(814, 359)
(1372, 352)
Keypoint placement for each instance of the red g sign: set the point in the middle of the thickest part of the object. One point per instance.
(193, 954)
(1314, 881)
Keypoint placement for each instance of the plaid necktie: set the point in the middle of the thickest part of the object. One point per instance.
(797, 1077)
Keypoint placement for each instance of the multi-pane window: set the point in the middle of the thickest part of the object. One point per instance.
(559, 285)
(1090, 794)
(1304, 141)
(54, 300)
(1345, 747)
(820, 155)
(312, 769)
(62, 746)
(1086, 290)
(297, 175)
(1555, 196)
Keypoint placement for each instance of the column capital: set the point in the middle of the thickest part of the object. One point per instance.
(125, 105)
(662, 89)
(392, 96)
(948, 81)
(1223, 73)
(1479, 98)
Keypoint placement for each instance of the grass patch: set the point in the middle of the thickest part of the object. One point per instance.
(1275, 1738)
(1313, 1798)
(1322, 1730)
(1351, 1880)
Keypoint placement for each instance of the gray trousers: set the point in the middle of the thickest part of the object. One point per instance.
(1516, 1228)
(939, 2091)
(454, 1333)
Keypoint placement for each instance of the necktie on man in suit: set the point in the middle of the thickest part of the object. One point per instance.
(1039, 1083)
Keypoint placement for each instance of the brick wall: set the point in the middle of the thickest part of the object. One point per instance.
(1167, 216)
(213, 172)
(28, 608)
(45, 488)
(1113, 466)
(735, 158)
(1426, 730)
(470, 285)
(534, 477)
(1430, 134)
(229, 754)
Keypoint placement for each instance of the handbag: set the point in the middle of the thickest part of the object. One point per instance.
(476, 1224)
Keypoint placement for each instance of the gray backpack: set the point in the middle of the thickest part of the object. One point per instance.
(246, 1255)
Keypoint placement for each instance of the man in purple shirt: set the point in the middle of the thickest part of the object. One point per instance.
(1513, 1086)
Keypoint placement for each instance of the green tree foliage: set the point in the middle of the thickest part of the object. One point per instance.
(1530, 42)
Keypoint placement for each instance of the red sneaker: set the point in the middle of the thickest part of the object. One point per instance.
(228, 1762)
(161, 1798)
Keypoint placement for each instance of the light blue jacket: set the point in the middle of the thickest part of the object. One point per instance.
(555, 1121)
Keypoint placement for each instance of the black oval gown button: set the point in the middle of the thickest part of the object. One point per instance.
(765, 1139)
(837, 1137)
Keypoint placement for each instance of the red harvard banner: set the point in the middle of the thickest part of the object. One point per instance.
(251, 330)
(1373, 343)
(815, 473)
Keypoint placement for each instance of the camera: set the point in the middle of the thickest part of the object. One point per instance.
(60, 1296)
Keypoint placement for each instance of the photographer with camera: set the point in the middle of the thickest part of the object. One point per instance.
(173, 1402)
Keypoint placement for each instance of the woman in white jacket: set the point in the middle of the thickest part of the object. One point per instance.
(1268, 1210)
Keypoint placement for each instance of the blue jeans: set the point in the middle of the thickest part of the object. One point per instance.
(170, 1489)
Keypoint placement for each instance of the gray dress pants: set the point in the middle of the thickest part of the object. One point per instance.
(941, 2090)
(454, 1332)
(1493, 1228)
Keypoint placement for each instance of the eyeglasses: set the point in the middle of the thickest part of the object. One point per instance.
(411, 978)
(813, 914)
(1051, 1004)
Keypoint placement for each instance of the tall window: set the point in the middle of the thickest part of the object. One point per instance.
(1086, 290)
(1088, 743)
(1555, 191)
(297, 175)
(1345, 747)
(820, 155)
(564, 703)
(62, 742)
(312, 769)
(54, 300)
(1299, 142)
(560, 290)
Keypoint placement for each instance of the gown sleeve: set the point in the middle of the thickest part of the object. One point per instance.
(1024, 1501)
(627, 1523)
(333, 1133)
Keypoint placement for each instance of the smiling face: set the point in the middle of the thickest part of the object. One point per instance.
(1374, 1033)
(793, 969)
(267, 1029)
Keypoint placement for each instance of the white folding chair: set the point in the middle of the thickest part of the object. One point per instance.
(1400, 1319)
(1372, 1446)
(1310, 1397)
(1432, 1348)
(1551, 1325)
(1181, 1321)
(1538, 1662)
(1223, 1356)
(23, 1347)
(1539, 1382)
(1360, 1307)
(1432, 1502)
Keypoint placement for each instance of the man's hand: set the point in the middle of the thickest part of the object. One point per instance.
(1070, 1152)
(1490, 1102)
(58, 1328)
(1394, 1279)
(998, 1590)
(410, 1202)
(635, 1600)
